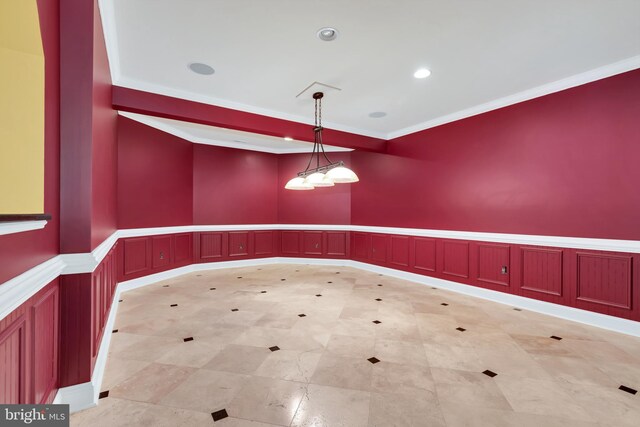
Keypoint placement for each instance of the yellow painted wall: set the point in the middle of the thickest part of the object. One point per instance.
(21, 109)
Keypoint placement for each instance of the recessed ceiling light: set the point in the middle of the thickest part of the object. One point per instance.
(288, 138)
(377, 114)
(327, 34)
(422, 73)
(200, 68)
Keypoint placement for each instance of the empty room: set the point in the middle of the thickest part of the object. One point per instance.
(320, 213)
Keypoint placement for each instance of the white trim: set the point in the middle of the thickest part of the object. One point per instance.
(85, 395)
(16, 291)
(108, 18)
(613, 245)
(536, 92)
(20, 226)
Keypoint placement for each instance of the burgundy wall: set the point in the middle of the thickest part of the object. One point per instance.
(104, 167)
(565, 164)
(329, 205)
(22, 251)
(154, 177)
(234, 186)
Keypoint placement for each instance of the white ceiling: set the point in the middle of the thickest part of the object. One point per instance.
(222, 137)
(482, 54)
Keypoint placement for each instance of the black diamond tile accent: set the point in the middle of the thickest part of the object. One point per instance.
(187, 339)
(165, 286)
(373, 360)
(239, 277)
(263, 292)
(297, 271)
(555, 337)
(282, 280)
(445, 304)
(517, 309)
(103, 394)
(120, 300)
(379, 284)
(460, 329)
(337, 272)
(329, 282)
(319, 295)
(274, 348)
(489, 373)
(114, 331)
(379, 274)
(627, 389)
(174, 305)
(212, 289)
(259, 269)
(219, 415)
(434, 288)
(378, 299)
(377, 322)
(302, 315)
(198, 275)
(234, 309)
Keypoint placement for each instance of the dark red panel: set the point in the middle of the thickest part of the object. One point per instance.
(182, 247)
(136, 255)
(155, 174)
(13, 360)
(328, 205)
(336, 243)
(290, 242)
(604, 279)
(312, 242)
(238, 243)
(361, 245)
(455, 258)
(161, 250)
(555, 165)
(174, 108)
(399, 251)
(234, 186)
(211, 245)
(494, 264)
(542, 270)
(263, 242)
(379, 244)
(44, 322)
(425, 254)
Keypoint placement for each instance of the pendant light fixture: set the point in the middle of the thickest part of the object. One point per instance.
(325, 173)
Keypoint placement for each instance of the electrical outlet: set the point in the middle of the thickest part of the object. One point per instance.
(504, 269)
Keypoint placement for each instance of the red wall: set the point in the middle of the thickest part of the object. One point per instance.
(329, 205)
(154, 177)
(22, 251)
(234, 186)
(104, 118)
(565, 164)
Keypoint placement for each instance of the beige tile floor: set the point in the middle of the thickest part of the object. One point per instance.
(428, 374)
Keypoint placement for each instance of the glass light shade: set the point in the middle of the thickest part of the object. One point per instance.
(319, 179)
(341, 175)
(298, 183)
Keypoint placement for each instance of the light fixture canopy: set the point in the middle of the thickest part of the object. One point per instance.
(325, 173)
(422, 73)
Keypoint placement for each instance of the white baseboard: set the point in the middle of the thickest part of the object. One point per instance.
(85, 395)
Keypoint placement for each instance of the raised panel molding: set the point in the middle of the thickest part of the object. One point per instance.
(399, 251)
(362, 245)
(491, 260)
(336, 243)
(542, 270)
(135, 255)
(379, 248)
(604, 279)
(182, 247)
(13, 367)
(44, 321)
(290, 242)
(263, 242)
(238, 243)
(210, 245)
(312, 242)
(455, 258)
(161, 250)
(424, 250)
